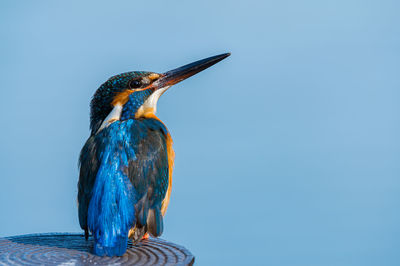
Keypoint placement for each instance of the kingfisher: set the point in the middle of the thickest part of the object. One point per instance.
(125, 166)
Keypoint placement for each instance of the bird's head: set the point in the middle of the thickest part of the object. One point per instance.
(135, 94)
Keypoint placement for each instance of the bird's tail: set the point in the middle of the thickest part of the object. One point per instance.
(111, 210)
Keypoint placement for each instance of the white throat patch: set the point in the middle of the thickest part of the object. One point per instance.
(113, 116)
(151, 102)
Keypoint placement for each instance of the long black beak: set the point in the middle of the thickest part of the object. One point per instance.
(177, 75)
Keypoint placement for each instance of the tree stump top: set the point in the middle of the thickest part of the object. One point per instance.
(73, 249)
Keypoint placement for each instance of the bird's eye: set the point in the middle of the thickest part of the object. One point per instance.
(135, 83)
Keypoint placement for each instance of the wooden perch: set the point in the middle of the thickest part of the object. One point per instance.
(73, 249)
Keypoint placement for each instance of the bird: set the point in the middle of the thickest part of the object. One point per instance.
(125, 166)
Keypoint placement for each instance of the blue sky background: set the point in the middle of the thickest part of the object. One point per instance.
(287, 152)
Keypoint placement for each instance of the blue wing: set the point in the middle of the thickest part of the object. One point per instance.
(123, 180)
(149, 175)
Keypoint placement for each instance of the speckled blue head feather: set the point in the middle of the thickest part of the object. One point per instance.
(101, 104)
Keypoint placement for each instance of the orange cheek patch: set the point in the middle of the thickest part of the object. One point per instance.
(122, 97)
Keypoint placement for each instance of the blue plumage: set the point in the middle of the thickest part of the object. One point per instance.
(111, 213)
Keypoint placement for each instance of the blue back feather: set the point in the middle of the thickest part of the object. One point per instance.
(111, 210)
